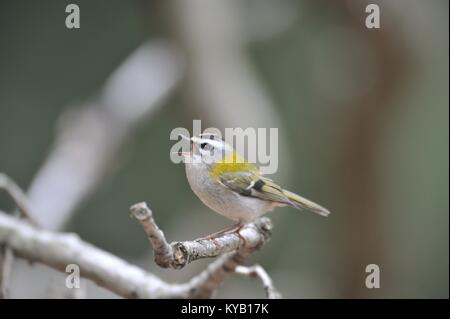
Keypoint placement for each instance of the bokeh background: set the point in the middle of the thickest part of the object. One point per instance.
(362, 114)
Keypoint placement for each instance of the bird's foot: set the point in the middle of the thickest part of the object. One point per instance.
(229, 230)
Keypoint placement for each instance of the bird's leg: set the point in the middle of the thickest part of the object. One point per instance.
(229, 230)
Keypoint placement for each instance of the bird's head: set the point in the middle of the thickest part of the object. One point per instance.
(209, 151)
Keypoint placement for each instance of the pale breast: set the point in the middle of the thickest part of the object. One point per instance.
(223, 200)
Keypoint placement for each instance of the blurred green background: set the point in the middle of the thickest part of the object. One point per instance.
(363, 115)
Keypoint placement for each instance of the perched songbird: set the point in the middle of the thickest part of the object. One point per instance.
(233, 187)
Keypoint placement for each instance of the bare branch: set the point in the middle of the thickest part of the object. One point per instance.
(163, 251)
(206, 283)
(233, 249)
(6, 255)
(6, 261)
(258, 271)
(17, 195)
(178, 254)
(57, 250)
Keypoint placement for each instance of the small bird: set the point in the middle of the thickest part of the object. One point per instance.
(233, 187)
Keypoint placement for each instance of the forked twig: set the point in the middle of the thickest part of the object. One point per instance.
(178, 254)
(258, 271)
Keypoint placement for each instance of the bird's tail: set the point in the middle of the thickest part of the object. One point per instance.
(301, 202)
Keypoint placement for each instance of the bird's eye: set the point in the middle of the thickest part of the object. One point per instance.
(203, 145)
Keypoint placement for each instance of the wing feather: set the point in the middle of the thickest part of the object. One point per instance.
(253, 185)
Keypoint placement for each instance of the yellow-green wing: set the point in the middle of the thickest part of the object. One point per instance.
(254, 185)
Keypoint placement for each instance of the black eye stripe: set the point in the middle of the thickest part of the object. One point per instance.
(203, 145)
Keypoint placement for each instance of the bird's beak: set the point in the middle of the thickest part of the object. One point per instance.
(184, 154)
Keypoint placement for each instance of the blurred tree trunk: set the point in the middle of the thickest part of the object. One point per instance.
(357, 159)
